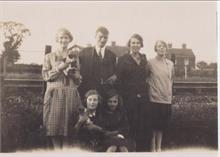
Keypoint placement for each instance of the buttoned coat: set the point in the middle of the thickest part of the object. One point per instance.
(95, 71)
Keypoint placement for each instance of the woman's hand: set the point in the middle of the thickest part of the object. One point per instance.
(62, 66)
(65, 64)
(83, 119)
(69, 60)
(120, 136)
(111, 80)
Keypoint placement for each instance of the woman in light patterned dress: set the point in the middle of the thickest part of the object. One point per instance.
(61, 100)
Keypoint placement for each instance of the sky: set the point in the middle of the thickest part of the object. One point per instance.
(192, 23)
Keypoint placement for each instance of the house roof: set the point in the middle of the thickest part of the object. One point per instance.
(181, 52)
(118, 50)
(76, 46)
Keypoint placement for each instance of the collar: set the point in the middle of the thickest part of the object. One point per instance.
(137, 54)
(137, 57)
(163, 59)
(102, 50)
(93, 114)
(61, 53)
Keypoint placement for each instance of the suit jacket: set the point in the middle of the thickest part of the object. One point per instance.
(95, 71)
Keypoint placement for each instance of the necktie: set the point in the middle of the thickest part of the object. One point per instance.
(100, 54)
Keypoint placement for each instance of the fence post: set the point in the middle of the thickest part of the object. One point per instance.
(1, 102)
(173, 59)
(2, 72)
(48, 49)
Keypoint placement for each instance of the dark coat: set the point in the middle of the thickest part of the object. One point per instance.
(117, 122)
(95, 71)
(131, 76)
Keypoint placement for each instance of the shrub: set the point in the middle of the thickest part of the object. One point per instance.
(193, 121)
(22, 121)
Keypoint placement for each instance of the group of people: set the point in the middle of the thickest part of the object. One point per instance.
(104, 102)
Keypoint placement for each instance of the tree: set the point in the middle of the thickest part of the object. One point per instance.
(202, 65)
(213, 65)
(14, 33)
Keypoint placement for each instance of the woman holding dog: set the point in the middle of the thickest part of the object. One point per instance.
(61, 100)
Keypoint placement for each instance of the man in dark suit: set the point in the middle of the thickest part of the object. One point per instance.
(97, 65)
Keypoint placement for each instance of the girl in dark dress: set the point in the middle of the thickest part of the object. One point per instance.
(132, 74)
(113, 118)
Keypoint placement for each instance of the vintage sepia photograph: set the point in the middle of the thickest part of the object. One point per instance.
(109, 77)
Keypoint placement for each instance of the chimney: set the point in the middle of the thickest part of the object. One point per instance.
(113, 43)
(169, 45)
(184, 46)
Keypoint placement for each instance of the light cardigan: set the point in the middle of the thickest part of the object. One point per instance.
(161, 80)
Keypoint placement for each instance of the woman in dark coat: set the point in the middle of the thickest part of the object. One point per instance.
(132, 74)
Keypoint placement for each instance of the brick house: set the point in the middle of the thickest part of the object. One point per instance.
(182, 57)
(118, 50)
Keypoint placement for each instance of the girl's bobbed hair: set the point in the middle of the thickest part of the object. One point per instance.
(92, 92)
(111, 93)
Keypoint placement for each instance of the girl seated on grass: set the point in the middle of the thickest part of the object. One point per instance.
(87, 131)
(113, 118)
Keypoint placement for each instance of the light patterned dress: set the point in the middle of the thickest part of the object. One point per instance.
(61, 100)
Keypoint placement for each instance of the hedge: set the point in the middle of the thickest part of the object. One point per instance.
(193, 121)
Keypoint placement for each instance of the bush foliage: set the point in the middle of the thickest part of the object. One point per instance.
(193, 121)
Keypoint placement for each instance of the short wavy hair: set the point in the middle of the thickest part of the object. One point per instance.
(162, 42)
(66, 32)
(102, 29)
(138, 37)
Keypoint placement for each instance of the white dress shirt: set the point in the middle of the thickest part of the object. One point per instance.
(102, 50)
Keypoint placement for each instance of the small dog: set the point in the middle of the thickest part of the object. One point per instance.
(74, 68)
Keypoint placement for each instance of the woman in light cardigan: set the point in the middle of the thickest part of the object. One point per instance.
(160, 93)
